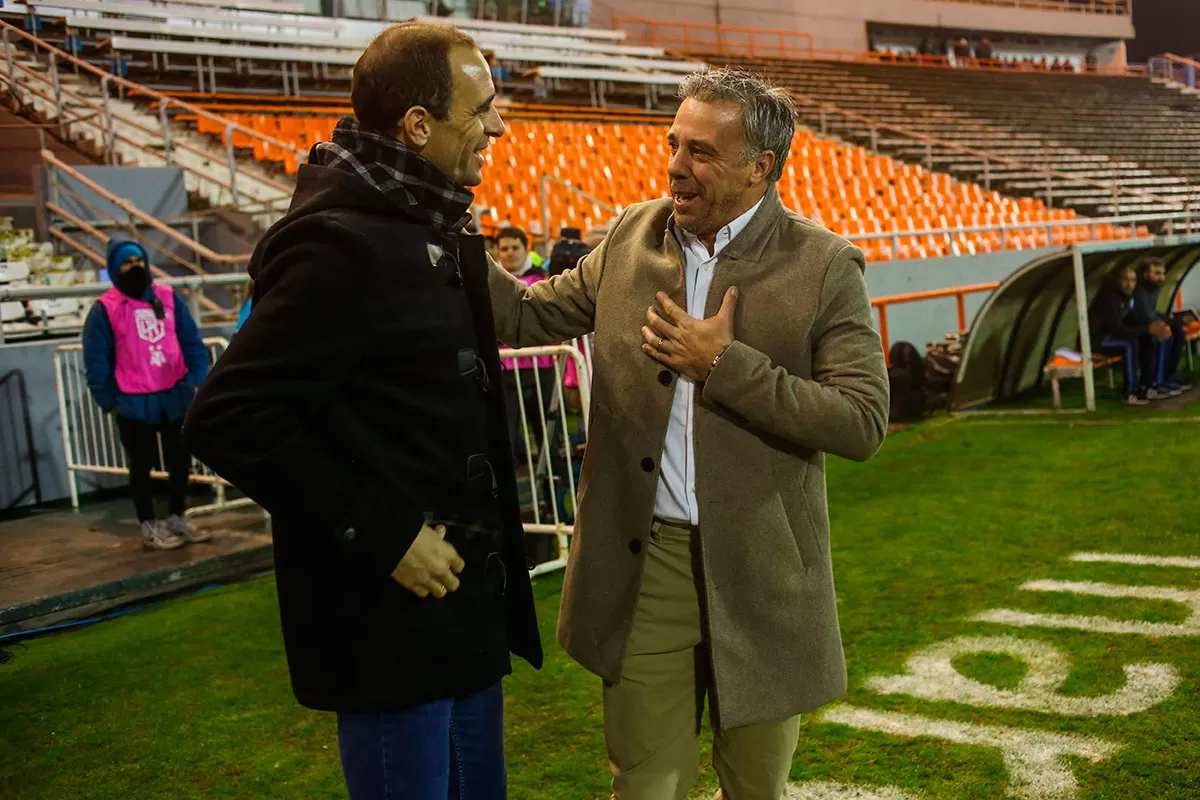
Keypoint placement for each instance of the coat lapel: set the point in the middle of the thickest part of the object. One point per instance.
(742, 259)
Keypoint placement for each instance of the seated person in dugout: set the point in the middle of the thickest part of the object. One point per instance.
(1115, 330)
(1146, 297)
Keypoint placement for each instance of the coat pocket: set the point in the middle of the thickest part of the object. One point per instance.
(789, 481)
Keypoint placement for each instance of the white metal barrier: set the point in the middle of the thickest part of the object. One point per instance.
(549, 454)
(91, 441)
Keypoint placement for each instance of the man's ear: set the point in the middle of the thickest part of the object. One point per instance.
(416, 128)
(762, 167)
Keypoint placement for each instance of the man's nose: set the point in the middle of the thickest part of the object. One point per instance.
(677, 165)
(494, 125)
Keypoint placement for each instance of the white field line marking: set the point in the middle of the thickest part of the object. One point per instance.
(826, 790)
(1187, 597)
(931, 675)
(1146, 561)
(1035, 759)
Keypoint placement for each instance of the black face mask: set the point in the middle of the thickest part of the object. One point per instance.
(133, 283)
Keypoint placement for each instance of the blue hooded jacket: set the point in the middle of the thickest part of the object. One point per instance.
(99, 355)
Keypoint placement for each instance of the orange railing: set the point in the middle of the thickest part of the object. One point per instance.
(959, 293)
(704, 39)
(701, 38)
(951, 62)
(1177, 69)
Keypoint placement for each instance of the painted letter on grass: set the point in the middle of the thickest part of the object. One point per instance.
(1023, 619)
(931, 676)
(1036, 765)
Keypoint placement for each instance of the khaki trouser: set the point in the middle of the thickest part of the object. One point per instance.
(652, 717)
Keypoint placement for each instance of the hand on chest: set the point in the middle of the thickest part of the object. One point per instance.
(774, 312)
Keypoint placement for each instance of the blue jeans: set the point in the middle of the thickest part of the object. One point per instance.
(450, 749)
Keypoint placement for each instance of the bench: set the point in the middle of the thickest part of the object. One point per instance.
(1060, 367)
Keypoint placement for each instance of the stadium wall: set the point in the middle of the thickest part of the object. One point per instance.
(842, 24)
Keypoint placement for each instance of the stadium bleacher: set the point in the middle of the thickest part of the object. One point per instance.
(1091, 130)
(857, 169)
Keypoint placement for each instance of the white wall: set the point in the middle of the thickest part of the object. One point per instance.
(841, 24)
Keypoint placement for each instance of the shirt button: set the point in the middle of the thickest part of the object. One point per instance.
(349, 534)
(635, 546)
(664, 377)
(648, 464)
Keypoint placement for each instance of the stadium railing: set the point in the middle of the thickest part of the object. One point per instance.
(552, 445)
(90, 439)
(99, 115)
(959, 293)
(730, 40)
(701, 38)
(1177, 69)
(1118, 7)
(1045, 234)
(988, 158)
(551, 454)
(134, 219)
(193, 288)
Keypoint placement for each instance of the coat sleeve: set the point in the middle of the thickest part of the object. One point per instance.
(252, 420)
(195, 353)
(843, 409)
(555, 310)
(1108, 318)
(99, 358)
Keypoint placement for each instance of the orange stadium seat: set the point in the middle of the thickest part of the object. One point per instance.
(846, 188)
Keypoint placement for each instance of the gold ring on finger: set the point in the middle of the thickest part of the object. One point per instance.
(659, 345)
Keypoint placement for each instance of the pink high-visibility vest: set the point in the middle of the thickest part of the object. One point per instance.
(149, 358)
(527, 362)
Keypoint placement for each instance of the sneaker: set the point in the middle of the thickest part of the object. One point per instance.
(1133, 400)
(1166, 390)
(1182, 386)
(185, 530)
(156, 536)
(1152, 393)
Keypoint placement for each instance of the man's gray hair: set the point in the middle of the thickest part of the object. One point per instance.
(768, 111)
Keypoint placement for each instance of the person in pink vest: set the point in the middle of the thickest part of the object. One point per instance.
(144, 359)
(515, 257)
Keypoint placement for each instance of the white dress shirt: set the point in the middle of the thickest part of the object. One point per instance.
(676, 499)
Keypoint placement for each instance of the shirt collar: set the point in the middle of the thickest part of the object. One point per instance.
(528, 265)
(724, 236)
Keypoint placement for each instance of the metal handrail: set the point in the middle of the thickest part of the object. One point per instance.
(959, 293)
(53, 161)
(164, 103)
(1121, 8)
(131, 86)
(111, 134)
(987, 156)
(1169, 61)
(543, 182)
(956, 63)
(729, 39)
(192, 283)
(1131, 221)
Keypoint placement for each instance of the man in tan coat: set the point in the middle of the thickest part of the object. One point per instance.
(734, 348)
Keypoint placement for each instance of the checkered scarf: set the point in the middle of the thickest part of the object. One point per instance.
(401, 175)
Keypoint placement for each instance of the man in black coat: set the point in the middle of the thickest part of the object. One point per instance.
(361, 405)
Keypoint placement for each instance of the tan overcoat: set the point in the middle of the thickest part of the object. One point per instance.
(805, 377)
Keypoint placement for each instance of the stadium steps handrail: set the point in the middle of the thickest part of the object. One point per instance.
(166, 104)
